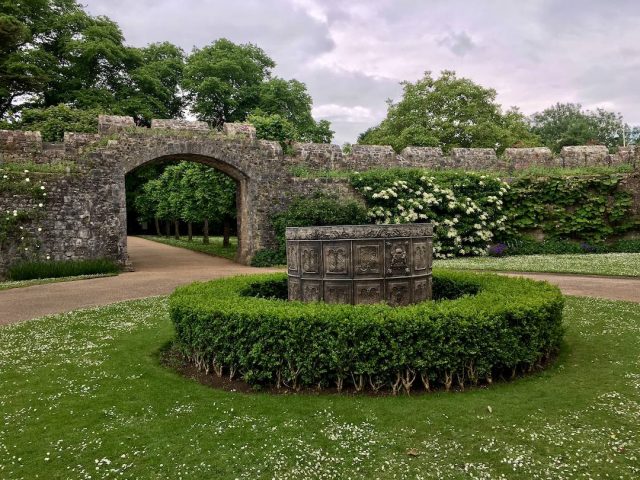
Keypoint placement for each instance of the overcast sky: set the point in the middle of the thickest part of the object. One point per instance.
(352, 53)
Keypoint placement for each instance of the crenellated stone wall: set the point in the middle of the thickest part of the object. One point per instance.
(85, 212)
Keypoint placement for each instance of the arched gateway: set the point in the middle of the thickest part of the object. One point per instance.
(84, 212)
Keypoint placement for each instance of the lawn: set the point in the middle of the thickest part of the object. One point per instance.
(82, 395)
(213, 248)
(9, 284)
(623, 264)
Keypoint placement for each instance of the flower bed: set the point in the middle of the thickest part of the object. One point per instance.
(479, 328)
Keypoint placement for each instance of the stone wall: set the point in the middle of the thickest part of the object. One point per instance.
(85, 214)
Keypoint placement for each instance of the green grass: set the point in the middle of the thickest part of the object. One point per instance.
(610, 264)
(213, 248)
(41, 281)
(82, 394)
(62, 268)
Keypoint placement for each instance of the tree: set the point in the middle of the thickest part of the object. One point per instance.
(52, 122)
(147, 203)
(569, 124)
(208, 195)
(226, 82)
(449, 112)
(223, 80)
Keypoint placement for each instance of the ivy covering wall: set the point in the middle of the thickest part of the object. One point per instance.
(471, 211)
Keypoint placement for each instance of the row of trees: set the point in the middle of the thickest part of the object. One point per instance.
(450, 112)
(61, 67)
(188, 192)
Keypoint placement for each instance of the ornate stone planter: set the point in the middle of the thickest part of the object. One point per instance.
(360, 263)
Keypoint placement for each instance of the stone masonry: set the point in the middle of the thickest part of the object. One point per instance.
(85, 215)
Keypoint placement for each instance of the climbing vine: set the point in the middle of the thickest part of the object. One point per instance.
(470, 211)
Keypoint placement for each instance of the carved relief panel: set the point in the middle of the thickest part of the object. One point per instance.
(421, 253)
(295, 293)
(421, 289)
(337, 259)
(310, 259)
(369, 291)
(368, 259)
(337, 292)
(397, 258)
(311, 290)
(399, 293)
(293, 257)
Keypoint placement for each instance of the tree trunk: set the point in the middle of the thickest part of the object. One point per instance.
(190, 230)
(157, 223)
(176, 224)
(205, 231)
(226, 232)
(167, 228)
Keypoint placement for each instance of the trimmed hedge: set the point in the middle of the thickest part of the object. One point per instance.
(61, 268)
(494, 326)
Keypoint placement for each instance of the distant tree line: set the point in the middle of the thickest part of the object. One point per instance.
(450, 112)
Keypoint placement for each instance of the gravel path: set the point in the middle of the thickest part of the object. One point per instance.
(161, 268)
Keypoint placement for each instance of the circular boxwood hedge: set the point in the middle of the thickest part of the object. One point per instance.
(480, 326)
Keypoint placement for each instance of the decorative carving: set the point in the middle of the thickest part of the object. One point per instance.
(292, 256)
(294, 289)
(310, 259)
(398, 258)
(359, 231)
(420, 256)
(368, 260)
(336, 259)
(337, 292)
(420, 293)
(311, 291)
(399, 294)
(368, 292)
(374, 263)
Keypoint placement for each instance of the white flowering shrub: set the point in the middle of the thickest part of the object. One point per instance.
(466, 209)
(20, 224)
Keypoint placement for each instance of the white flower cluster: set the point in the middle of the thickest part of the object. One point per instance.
(465, 211)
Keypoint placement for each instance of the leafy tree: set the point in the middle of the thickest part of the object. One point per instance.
(226, 82)
(569, 124)
(147, 203)
(52, 122)
(449, 112)
(207, 194)
(223, 80)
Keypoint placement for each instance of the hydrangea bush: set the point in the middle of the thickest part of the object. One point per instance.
(466, 210)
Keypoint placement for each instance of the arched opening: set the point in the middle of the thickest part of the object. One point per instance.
(216, 226)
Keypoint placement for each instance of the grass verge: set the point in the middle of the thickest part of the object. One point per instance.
(214, 248)
(83, 394)
(8, 285)
(609, 264)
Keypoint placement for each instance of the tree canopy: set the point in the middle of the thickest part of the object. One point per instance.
(569, 124)
(449, 112)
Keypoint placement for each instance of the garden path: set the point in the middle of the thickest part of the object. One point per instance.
(161, 268)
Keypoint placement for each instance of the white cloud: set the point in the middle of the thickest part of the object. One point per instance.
(353, 54)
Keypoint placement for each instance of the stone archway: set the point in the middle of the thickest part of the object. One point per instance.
(243, 254)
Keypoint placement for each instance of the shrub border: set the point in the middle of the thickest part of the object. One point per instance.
(510, 326)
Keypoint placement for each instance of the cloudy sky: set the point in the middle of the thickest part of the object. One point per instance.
(352, 53)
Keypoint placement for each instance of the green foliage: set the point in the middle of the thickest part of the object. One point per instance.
(568, 124)
(55, 53)
(528, 246)
(464, 208)
(223, 80)
(305, 212)
(509, 325)
(52, 122)
(63, 268)
(580, 208)
(589, 208)
(449, 112)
